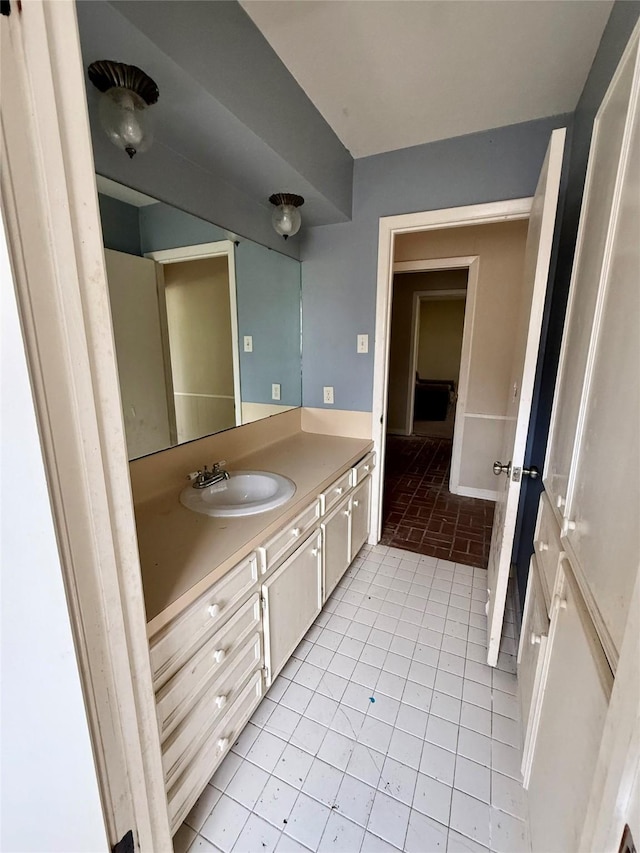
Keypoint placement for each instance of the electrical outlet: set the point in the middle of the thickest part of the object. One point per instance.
(363, 343)
(275, 391)
(327, 394)
(248, 343)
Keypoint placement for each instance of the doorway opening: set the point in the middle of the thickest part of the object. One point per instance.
(454, 292)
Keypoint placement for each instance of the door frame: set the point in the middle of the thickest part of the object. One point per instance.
(388, 228)
(52, 221)
(420, 296)
(201, 251)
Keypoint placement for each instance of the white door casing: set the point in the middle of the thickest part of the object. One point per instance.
(536, 273)
(389, 227)
(220, 248)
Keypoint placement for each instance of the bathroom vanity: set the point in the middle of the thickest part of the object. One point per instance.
(229, 599)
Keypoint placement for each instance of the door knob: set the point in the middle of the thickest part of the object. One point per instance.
(499, 468)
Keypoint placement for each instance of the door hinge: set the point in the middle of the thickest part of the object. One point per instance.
(125, 845)
(263, 602)
(265, 673)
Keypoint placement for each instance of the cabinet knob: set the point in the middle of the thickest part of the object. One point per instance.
(220, 701)
(347, 512)
(339, 489)
(223, 743)
(559, 602)
(219, 655)
(213, 610)
(314, 552)
(366, 467)
(542, 546)
(535, 639)
(560, 501)
(295, 532)
(356, 503)
(567, 526)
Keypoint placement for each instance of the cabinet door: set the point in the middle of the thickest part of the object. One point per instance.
(574, 706)
(598, 202)
(531, 662)
(292, 598)
(360, 507)
(336, 530)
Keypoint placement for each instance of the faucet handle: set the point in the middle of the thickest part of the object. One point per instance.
(217, 465)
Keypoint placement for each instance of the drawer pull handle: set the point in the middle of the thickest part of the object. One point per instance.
(356, 503)
(536, 639)
(221, 701)
(219, 655)
(295, 532)
(223, 743)
(340, 489)
(213, 610)
(542, 546)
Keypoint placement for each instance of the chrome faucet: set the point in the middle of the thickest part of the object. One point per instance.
(204, 478)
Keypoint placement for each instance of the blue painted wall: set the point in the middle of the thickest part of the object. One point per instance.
(269, 310)
(166, 227)
(340, 261)
(120, 225)
(622, 20)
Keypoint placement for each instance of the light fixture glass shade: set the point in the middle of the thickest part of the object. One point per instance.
(286, 217)
(286, 220)
(124, 116)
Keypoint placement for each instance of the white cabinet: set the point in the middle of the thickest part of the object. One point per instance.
(292, 599)
(593, 457)
(336, 529)
(532, 658)
(360, 512)
(575, 697)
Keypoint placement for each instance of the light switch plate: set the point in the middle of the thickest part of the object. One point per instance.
(275, 391)
(327, 394)
(363, 343)
(248, 343)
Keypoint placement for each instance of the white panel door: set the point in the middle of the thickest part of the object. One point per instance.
(601, 530)
(525, 355)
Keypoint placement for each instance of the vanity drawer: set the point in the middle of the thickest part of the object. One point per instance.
(335, 492)
(177, 696)
(189, 785)
(547, 548)
(185, 741)
(363, 468)
(176, 643)
(289, 538)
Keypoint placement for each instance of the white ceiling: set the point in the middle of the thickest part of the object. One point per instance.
(388, 74)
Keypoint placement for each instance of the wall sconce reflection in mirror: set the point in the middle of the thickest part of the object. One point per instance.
(286, 217)
(126, 95)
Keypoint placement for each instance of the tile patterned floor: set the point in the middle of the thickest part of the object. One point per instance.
(385, 731)
(421, 514)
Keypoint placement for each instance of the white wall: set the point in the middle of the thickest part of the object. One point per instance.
(49, 798)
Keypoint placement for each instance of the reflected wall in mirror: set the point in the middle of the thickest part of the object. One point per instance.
(206, 325)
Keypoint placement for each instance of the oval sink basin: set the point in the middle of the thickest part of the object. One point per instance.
(244, 493)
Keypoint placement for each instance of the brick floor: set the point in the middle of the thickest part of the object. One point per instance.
(421, 514)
